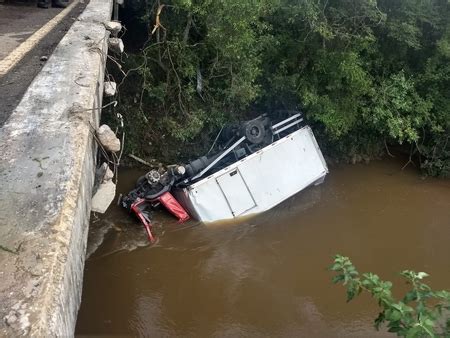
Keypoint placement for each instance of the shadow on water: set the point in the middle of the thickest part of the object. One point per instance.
(267, 275)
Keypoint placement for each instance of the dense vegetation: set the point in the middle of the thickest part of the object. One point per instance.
(422, 312)
(368, 74)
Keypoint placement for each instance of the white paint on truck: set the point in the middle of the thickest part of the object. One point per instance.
(259, 181)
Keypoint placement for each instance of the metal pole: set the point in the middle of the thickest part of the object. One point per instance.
(116, 11)
(226, 152)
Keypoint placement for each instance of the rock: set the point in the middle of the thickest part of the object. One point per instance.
(113, 26)
(108, 139)
(10, 319)
(116, 45)
(110, 88)
(43, 58)
(103, 197)
(108, 175)
(18, 320)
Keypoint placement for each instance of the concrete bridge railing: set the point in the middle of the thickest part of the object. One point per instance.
(46, 173)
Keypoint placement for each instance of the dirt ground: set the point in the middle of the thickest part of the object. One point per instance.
(18, 21)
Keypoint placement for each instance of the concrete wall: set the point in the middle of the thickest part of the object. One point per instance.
(46, 173)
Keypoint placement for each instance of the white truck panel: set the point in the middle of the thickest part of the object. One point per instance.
(258, 182)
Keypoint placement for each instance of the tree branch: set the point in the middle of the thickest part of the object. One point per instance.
(187, 28)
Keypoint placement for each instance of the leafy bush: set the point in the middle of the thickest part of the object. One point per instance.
(422, 312)
(371, 73)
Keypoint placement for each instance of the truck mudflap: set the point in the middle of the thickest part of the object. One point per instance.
(141, 207)
(172, 205)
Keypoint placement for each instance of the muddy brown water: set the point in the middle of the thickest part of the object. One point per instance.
(267, 276)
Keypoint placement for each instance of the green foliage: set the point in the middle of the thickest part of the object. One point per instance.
(368, 73)
(196, 71)
(399, 112)
(422, 312)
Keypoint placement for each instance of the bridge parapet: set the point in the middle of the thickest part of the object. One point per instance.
(47, 170)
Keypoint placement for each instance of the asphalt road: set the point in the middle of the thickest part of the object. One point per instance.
(18, 21)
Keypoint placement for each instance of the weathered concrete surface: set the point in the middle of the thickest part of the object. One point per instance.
(46, 171)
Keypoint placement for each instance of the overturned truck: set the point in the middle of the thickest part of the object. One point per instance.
(253, 167)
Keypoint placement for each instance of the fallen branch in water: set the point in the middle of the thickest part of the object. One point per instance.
(140, 160)
(387, 149)
(410, 158)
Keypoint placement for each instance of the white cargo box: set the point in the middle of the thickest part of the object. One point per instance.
(259, 181)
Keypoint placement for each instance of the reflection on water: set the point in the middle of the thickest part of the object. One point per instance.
(267, 275)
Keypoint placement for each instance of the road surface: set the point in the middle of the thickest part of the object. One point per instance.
(27, 34)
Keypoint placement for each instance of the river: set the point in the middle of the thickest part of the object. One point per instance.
(267, 276)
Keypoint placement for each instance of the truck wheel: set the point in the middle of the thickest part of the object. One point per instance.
(254, 131)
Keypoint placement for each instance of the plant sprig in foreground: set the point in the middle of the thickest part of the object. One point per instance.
(422, 312)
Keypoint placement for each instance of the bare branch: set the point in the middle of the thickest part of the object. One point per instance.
(387, 149)
(187, 28)
(180, 100)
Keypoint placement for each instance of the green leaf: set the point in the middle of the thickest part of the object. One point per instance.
(336, 267)
(379, 320)
(338, 278)
(395, 316)
(394, 329)
(410, 296)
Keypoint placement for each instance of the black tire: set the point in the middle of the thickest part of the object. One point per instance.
(164, 189)
(254, 131)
